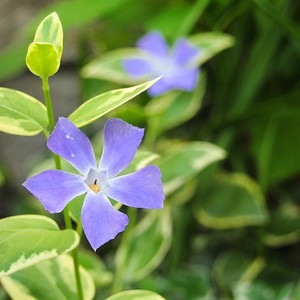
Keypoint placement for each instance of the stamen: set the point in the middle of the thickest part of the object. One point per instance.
(95, 187)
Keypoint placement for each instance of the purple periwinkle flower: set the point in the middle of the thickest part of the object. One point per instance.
(175, 65)
(101, 222)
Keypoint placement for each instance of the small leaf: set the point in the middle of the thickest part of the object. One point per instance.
(152, 237)
(28, 239)
(136, 295)
(21, 114)
(183, 162)
(98, 106)
(234, 200)
(48, 280)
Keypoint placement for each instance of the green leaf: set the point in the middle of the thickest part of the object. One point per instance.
(42, 59)
(282, 229)
(21, 114)
(277, 145)
(100, 105)
(233, 267)
(234, 200)
(136, 295)
(151, 237)
(44, 54)
(261, 291)
(175, 107)
(48, 280)
(28, 239)
(183, 162)
(210, 44)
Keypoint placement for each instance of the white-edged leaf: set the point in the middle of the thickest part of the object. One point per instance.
(98, 106)
(52, 279)
(234, 200)
(136, 295)
(183, 162)
(152, 237)
(28, 239)
(21, 114)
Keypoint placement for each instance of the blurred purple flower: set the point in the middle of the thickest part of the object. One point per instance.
(175, 65)
(100, 220)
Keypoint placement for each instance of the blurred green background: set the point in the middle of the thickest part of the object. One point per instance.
(234, 227)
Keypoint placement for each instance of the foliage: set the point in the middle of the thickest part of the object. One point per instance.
(228, 153)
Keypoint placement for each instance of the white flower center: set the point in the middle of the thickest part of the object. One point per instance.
(97, 180)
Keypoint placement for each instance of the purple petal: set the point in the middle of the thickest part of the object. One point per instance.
(121, 141)
(153, 43)
(142, 189)
(101, 222)
(73, 145)
(137, 67)
(185, 80)
(160, 87)
(55, 189)
(183, 52)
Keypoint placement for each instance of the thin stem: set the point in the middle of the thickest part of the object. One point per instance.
(67, 219)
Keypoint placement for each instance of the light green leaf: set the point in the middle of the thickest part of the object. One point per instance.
(21, 114)
(136, 295)
(48, 280)
(234, 200)
(98, 106)
(181, 163)
(210, 44)
(50, 32)
(44, 54)
(28, 239)
(175, 107)
(42, 59)
(151, 237)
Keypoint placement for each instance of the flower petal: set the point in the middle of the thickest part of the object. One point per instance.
(55, 189)
(160, 87)
(183, 52)
(137, 67)
(142, 189)
(121, 141)
(101, 222)
(73, 145)
(185, 80)
(153, 43)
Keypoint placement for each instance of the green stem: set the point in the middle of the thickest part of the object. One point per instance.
(67, 219)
